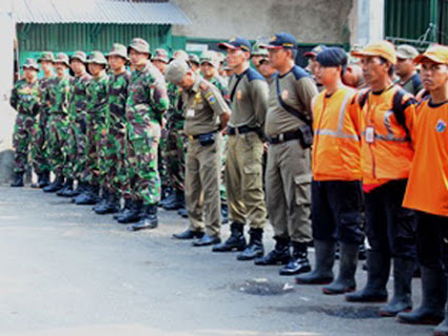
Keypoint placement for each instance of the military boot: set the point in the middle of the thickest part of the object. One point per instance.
(42, 180)
(280, 255)
(132, 215)
(255, 248)
(67, 187)
(127, 206)
(55, 186)
(90, 197)
(224, 214)
(169, 197)
(323, 269)
(298, 263)
(175, 201)
(18, 180)
(80, 189)
(111, 204)
(183, 212)
(236, 241)
(401, 300)
(345, 281)
(377, 276)
(434, 296)
(148, 219)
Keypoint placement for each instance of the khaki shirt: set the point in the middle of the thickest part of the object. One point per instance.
(250, 99)
(203, 106)
(297, 90)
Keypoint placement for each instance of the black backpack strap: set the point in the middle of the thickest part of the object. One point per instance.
(362, 98)
(232, 94)
(290, 109)
(398, 107)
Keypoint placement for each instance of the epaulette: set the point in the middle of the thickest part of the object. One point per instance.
(253, 74)
(299, 72)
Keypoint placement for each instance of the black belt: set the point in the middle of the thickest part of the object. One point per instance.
(241, 130)
(197, 136)
(283, 137)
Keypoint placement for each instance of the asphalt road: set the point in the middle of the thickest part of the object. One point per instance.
(67, 271)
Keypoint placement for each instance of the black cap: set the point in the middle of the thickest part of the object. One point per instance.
(281, 41)
(236, 42)
(332, 57)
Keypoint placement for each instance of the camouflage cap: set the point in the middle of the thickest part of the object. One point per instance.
(139, 45)
(176, 71)
(192, 58)
(210, 57)
(257, 51)
(180, 54)
(118, 50)
(160, 54)
(30, 63)
(79, 55)
(62, 58)
(97, 57)
(46, 56)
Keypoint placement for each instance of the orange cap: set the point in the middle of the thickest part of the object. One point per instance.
(383, 49)
(436, 53)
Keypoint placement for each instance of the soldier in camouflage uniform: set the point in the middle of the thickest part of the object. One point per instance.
(25, 100)
(209, 68)
(94, 173)
(78, 120)
(59, 98)
(147, 101)
(114, 148)
(160, 60)
(39, 150)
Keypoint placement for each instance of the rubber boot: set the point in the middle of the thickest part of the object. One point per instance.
(255, 249)
(127, 206)
(280, 255)
(299, 262)
(323, 269)
(401, 300)
(345, 281)
(434, 296)
(132, 215)
(18, 180)
(442, 328)
(68, 186)
(177, 202)
(148, 219)
(55, 186)
(377, 276)
(236, 241)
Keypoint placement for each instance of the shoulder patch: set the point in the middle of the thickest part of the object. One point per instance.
(299, 72)
(204, 86)
(253, 74)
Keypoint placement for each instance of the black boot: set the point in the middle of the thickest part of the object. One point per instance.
(434, 296)
(80, 189)
(176, 202)
(323, 269)
(44, 180)
(68, 186)
(442, 328)
(224, 214)
(183, 212)
(132, 215)
(255, 248)
(90, 197)
(55, 186)
(280, 255)
(236, 241)
(102, 201)
(169, 198)
(362, 253)
(127, 206)
(18, 180)
(401, 300)
(345, 282)
(148, 219)
(111, 205)
(377, 276)
(299, 262)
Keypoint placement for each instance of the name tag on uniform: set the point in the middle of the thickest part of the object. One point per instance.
(370, 134)
(190, 113)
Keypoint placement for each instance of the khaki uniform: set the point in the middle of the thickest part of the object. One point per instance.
(244, 178)
(203, 105)
(288, 173)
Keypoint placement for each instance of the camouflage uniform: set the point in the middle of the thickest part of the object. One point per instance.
(25, 100)
(147, 100)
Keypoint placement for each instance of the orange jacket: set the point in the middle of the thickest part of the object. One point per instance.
(390, 154)
(427, 188)
(336, 149)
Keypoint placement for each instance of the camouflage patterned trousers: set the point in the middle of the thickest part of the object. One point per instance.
(57, 144)
(96, 131)
(165, 178)
(177, 143)
(21, 140)
(79, 146)
(39, 146)
(144, 180)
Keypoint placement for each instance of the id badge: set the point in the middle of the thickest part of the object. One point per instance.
(370, 134)
(190, 113)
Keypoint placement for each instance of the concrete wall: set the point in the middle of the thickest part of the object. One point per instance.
(311, 21)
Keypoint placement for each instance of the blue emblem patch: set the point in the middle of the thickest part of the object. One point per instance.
(441, 126)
